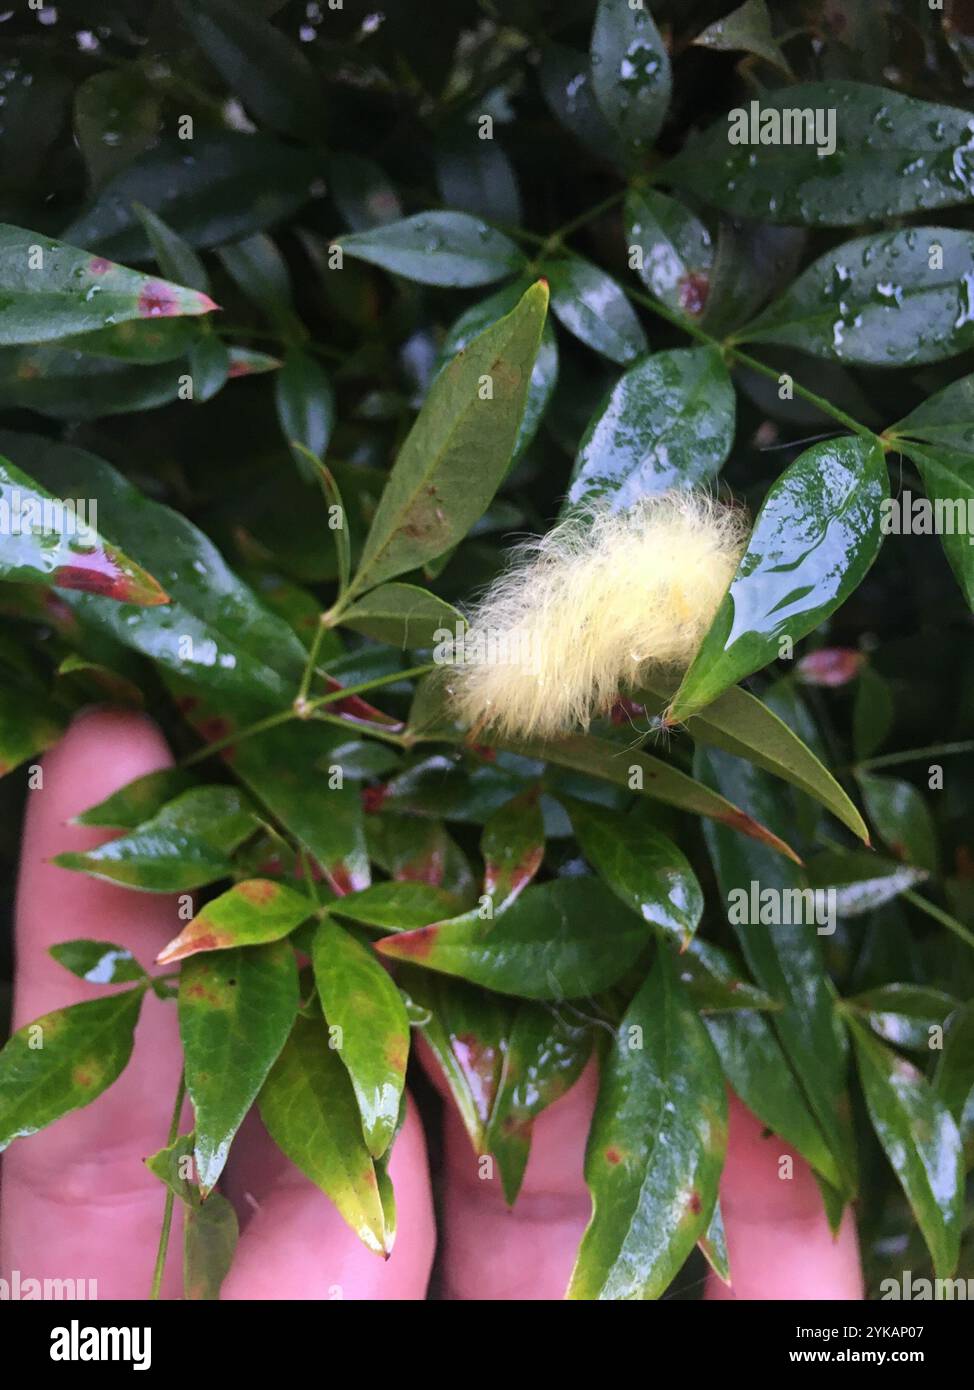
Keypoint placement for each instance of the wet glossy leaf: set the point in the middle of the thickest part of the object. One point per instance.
(51, 289)
(544, 373)
(279, 767)
(252, 912)
(748, 30)
(403, 615)
(52, 540)
(893, 154)
(208, 197)
(259, 63)
(862, 881)
(641, 865)
(752, 262)
(175, 257)
(676, 253)
(739, 723)
(146, 341)
(209, 1242)
(591, 306)
(137, 800)
(305, 404)
(475, 175)
(902, 819)
(907, 1016)
(396, 906)
(954, 1078)
(638, 771)
(631, 77)
(236, 1009)
(466, 1029)
(209, 366)
(98, 962)
(64, 1060)
(715, 981)
(785, 960)
(544, 1057)
(566, 81)
(309, 1109)
(668, 422)
(26, 728)
(893, 299)
(68, 384)
(360, 1000)
(921, 1141)
(656, 1146)
(512, 847)
(438, 248)
(214, 630)
(458, 450)
(117, 115)
(813, 541)
(183, 846)
(713, 1246)
(558, 940)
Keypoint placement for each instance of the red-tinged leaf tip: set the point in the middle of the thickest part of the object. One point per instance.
(159, 300)
(830, 666)
(207, 305)
(190, 943)
(409, 945)
(747, 825)
(98, 573)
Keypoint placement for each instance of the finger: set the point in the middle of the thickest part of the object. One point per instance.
(778, 1238)
(494, 1252)
(295, 1245)
(77, 1198)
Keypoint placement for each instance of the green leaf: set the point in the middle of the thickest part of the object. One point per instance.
(261, 273)
(893, 155)
(467, 1031)
(183, 846)
(512, 847)
(207, 199)
(668, 422)
(737, 722)
(544, 374)
(893, 299)
(360, 1000)
(752, 262)
(902, 819)
(451, 249)
(137, 800)
(403, 615)
(98, 962)
(748, 30)
(544, 1057)
(475, 175)
(813, 541)
(676, 252)
(68, 384)
(280, 768)
(591, 305)
(117, 115)
(458, 450)
(861, 881)
(954, 1078)
(209, 1243)
(236, 1009)
(656, 1146)
(26, 728)
(872, 712)
(305, 405)
(209, 367)
(258, 63)
(214, 630)
(145, 341)
(174, 1166)
(715, 980)
(175, 257)
(907, 1016)
(559, 940)
(51, 290)
(308, 1107)
(252, 912)
(566, 82)
(921, 1141)
(713, 1246)
(641, 865)
(52, 540)
(362, 192)
(785, 960)
(396, 906)
(631, 76)
(636, 771)
(757, 1070)
(64, 1060)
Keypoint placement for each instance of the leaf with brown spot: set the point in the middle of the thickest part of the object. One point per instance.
(64, 1060)
(254, 911)
(512, 846)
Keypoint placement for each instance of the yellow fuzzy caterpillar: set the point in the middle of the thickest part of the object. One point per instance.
(585, 610)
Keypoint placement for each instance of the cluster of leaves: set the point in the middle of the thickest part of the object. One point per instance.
(338, 182)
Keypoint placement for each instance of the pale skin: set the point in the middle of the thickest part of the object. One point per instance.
(77, 1201)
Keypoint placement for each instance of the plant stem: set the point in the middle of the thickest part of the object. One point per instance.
(366, 686)
(309, 665)
(933, 750)
(820, 403)
(170, 1195)
(938, 915)
(271, 722)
